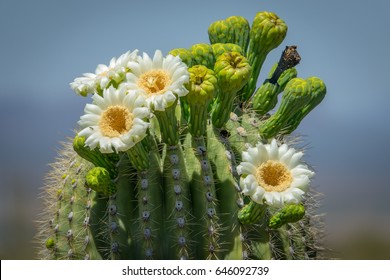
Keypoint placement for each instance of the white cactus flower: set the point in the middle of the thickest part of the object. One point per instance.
(114, 121)
(273, 174)
(104, 75)
(161, 79)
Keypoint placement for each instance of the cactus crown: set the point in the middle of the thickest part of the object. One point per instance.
(179, 157)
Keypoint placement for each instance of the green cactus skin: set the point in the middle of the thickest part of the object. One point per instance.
(176, 194)
(199, 216)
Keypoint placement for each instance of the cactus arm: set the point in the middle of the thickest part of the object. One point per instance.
(83, 201)
(64, 228)
(73, 212)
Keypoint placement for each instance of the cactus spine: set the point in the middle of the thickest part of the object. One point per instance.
(177, 157)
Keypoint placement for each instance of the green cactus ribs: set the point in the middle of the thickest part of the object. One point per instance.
(183, 157)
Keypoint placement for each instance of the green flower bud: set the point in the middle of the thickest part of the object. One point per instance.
(251, 213)
(267, 32)
(266, 96)
(234, 29)
(221, 48)
(317, 94)
(233, 72)
(184, 54)
(108, 161)
(289, 214)
(98, 179)
(296, 95)
(202, 54)
(202, 87)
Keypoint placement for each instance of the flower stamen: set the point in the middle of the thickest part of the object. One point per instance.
(273, 176)
(154, 82)
(115, 121)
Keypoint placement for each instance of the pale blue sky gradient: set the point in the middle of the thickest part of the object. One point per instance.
(44, 45)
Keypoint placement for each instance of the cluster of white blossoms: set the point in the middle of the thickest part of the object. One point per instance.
(125, 93)
(274, 175)
(104, 75)
(131, 88)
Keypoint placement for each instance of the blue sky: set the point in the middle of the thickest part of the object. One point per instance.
(46, 44)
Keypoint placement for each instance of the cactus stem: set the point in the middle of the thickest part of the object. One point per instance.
(226, 193)
(139, 156)
(168, 125)
(204, 198)
(178, 203)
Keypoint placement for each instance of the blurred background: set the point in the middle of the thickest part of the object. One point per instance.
(44, 45)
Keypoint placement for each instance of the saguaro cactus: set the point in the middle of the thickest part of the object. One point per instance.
(179, 157)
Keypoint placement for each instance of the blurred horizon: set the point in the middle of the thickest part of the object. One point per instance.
(46, 44)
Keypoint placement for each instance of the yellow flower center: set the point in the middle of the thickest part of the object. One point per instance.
(154, 81)
(273, 176)
(115, 121)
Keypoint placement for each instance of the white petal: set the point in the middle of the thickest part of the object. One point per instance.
(273, 150)
(286, 158)
(248, 185)
(258, 196)
(301, 170)
(146, 63)
(92, 109)
(136, 71)
(158, 60)
(141, 113)
(105, 145)
(246, 168)
(273, 199)
(89, 120)
(101, 68)
(181, 91)
(289, 198)
(301, 183)
(294, 161)
(118, 145)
